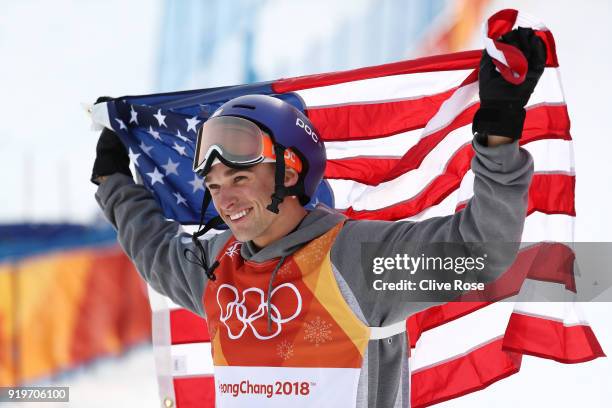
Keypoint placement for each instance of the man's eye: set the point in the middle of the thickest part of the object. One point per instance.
(213, 187)
(239, 178)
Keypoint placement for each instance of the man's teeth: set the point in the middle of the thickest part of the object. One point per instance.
(240, 214)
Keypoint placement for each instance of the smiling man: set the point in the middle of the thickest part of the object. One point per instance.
(241, 197)
(293, 318)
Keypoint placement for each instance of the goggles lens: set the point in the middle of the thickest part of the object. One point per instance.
(236, 140)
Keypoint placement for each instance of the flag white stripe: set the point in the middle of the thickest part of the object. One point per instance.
(191, 359)
(548, 91)
(493, 51)
(365, 197)
(405, 186)
(552, 156)
(459, 101)
(567, 312)
(451, 339)
(538, 226)
(160, 302)
(413, 86)
(390, 146)
(396, 87)
(541, 227)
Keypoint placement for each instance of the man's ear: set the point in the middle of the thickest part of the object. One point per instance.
(291, 177)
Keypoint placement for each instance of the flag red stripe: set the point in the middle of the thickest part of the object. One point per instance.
(550, 262)
(186, 327)
(373, 171)
(446, 62)
(502, 357)
(552, 194)
(436, 191)
(463, 375)
(436, 316)
(542, 122)
(548, 193)
(373, 120)
(551, 47)
(195, 391)
(546, 122)
(550, 339)
(545, 261)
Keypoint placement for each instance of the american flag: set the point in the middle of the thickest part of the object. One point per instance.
(398, 144)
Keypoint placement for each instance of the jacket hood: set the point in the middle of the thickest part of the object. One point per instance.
(315, 224)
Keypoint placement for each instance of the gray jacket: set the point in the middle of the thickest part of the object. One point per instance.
(495, 213)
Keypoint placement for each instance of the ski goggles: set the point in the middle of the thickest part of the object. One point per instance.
(236, 142)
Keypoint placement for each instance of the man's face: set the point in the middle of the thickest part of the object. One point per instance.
(241, 197)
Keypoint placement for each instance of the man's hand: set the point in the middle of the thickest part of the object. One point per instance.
(502, 104)
(111, 157)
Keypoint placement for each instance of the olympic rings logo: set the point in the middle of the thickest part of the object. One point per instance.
(237, 307)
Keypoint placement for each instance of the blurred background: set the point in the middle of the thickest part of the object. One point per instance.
(62, 278)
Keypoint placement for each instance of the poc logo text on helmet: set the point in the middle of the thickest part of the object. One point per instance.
(299, 122)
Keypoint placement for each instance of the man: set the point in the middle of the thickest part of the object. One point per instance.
(292, 314)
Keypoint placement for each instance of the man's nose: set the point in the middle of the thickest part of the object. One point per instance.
(226, 198)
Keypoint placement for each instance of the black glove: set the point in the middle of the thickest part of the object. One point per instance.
(111, 157)
(502, 104)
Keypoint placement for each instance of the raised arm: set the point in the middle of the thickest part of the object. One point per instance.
(495, 214)
(155, 245)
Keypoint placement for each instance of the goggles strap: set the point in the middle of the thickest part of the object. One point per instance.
(201, 259)
(280, 191)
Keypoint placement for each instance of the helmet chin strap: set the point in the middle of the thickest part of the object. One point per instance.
(200, 259)
(280, 190)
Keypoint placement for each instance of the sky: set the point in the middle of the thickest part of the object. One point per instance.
(55, 56)
(85, 50)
